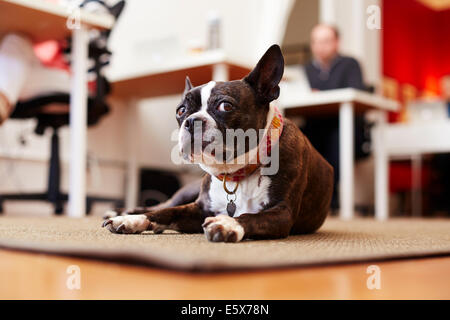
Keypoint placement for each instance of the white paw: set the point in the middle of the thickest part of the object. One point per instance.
(127, 224)
(223, 228)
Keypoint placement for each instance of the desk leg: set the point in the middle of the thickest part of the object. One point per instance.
(78, 127)
(416, 194)
(220, 72)
(346, 160)
(132, 179)
(381, 169)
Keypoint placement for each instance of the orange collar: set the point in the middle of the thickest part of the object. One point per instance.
(271, 137)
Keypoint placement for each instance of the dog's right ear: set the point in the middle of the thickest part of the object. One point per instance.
(267, 74)
(188, 85)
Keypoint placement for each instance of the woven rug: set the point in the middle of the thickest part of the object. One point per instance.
(336, 242)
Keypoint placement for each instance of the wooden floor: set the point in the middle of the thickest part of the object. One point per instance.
(39, 276)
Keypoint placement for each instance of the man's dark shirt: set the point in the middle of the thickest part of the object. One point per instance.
(344, 72)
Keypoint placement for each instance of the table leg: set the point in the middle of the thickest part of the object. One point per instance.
(381, 169)
(132, 179)
(416, 193)
(346, 160)
(78, 126)
(220, 72)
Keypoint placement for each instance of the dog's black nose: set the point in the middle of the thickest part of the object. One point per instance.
(192, 124)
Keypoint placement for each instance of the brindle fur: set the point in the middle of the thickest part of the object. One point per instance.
(299, 193)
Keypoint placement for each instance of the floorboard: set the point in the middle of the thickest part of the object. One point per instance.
(39, 276)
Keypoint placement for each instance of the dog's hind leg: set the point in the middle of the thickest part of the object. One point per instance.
(187, 194)
(186, 218)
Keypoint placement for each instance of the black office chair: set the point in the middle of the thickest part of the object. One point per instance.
(97, 108)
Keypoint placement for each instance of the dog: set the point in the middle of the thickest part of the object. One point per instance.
(241, 200)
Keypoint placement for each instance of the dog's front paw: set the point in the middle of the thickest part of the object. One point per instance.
(223, 228)
(127, 224)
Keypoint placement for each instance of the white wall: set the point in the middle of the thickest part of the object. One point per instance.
(303, 17)
(171, 26)
(156, 126)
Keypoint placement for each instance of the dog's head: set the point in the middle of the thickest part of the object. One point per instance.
(207, 112)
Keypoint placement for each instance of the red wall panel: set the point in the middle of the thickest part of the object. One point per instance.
(416, 43)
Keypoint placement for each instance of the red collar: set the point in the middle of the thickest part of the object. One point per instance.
(271, 137)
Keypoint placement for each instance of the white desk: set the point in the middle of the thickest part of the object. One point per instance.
(400, 140)
(345, 102)
(42, 20)
(167, 79)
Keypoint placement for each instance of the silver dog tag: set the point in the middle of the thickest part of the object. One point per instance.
(231, 208)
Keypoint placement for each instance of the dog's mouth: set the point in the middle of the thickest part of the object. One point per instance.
(206, 145)
(190, 150)
(207, 149)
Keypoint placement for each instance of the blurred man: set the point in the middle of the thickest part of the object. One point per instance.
(330, 70)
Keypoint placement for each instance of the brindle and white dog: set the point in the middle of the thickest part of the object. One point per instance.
(294, 200)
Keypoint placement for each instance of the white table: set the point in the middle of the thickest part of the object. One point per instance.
(167, 77)
(345, 102)
(162, 79)
(41, 20)
(404, 139)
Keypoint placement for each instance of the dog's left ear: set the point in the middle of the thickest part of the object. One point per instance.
(187, 85)
(267, 74)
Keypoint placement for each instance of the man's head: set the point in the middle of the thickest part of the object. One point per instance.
(324, 43)
(207, 112)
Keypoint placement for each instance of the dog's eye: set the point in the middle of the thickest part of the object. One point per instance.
(224, 107)
(181, 110)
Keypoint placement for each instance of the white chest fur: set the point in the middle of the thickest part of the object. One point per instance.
(251, 195)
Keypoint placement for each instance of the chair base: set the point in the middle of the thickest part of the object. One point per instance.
(58, 203)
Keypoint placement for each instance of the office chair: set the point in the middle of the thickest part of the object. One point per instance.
(97, 108)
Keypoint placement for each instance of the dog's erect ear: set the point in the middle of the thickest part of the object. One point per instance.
(188, 85)
(267, 74)
(116, 9)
